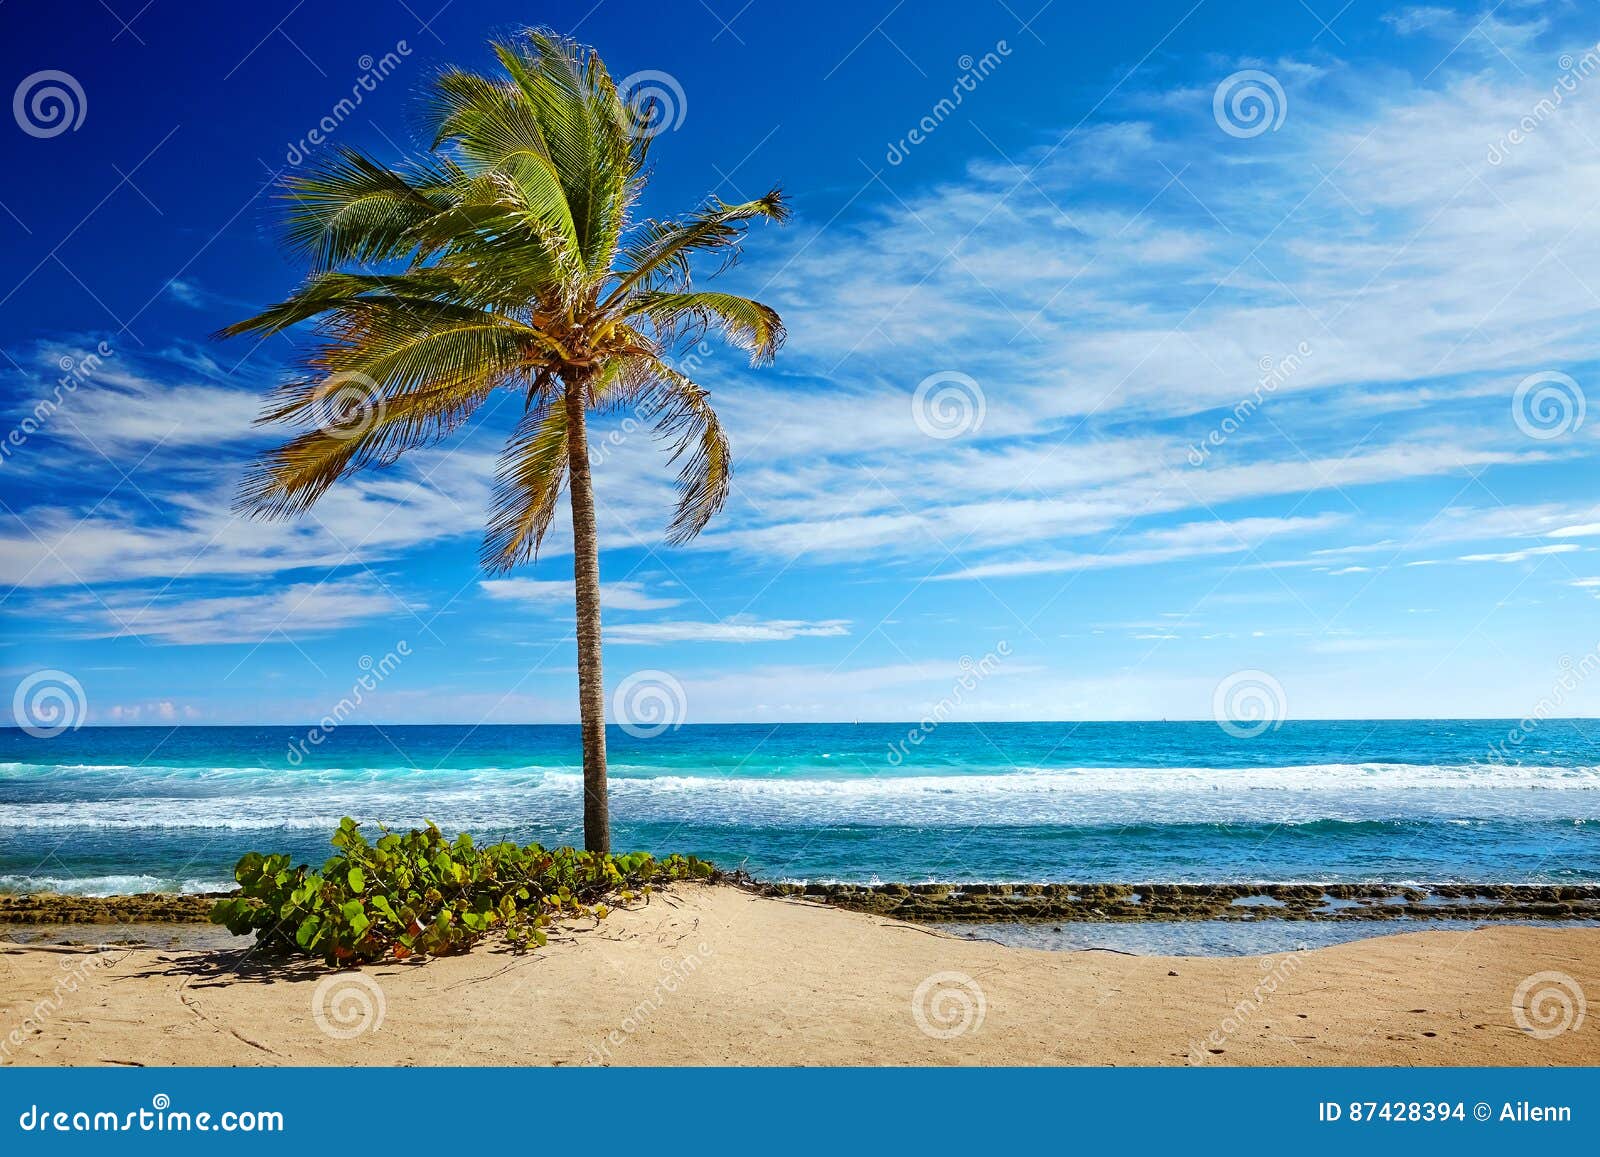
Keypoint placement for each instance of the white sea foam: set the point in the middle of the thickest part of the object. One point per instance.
(108, 885)
(835, 778)
(500, 798)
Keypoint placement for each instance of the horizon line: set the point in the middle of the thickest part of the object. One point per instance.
(174, 726)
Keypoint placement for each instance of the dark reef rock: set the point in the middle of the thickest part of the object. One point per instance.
(145, 908)
(989, 903)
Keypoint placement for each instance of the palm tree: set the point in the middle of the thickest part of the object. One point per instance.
(508, 258)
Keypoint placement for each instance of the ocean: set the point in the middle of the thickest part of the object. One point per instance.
(126, 809)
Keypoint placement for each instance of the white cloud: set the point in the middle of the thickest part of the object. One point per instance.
(372, 516)
(618, 596)
(120, 421)
(739, 629)
(123, 404)
(1485, 33)
(1190, 540)
(1523, 555)
(1353, 645)
(160, 711)
(292, 612)
(1139, 310)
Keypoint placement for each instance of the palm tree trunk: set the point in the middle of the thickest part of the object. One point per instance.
(586, 580)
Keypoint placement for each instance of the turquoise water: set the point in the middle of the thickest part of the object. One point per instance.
(1212, 937)
(127, 809)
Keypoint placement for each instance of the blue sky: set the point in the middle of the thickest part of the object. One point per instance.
(1096, 370)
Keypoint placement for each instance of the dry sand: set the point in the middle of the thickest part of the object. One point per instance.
(711, 975)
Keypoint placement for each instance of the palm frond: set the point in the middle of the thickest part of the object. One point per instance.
(514, 180)
(427, 293)
(361, 429)
(742, 321)
(528, 482)
(346, 208)
(683, 414)
(400, 351)
(584, 128)
(660, 258)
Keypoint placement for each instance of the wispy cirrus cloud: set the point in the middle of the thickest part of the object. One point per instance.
(1522, 555)
(558, 593)
(740, 629)
(286, 613)
(1191, 540)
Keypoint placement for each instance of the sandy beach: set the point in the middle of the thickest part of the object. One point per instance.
(712, 975)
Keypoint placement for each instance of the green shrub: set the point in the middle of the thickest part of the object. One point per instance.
(419, 894)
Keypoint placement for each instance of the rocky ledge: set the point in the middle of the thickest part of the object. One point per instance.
(989, 903)
(145, 908)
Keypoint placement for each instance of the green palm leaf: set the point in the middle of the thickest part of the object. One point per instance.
(660, 258)
(528, 482)
(742, 321)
